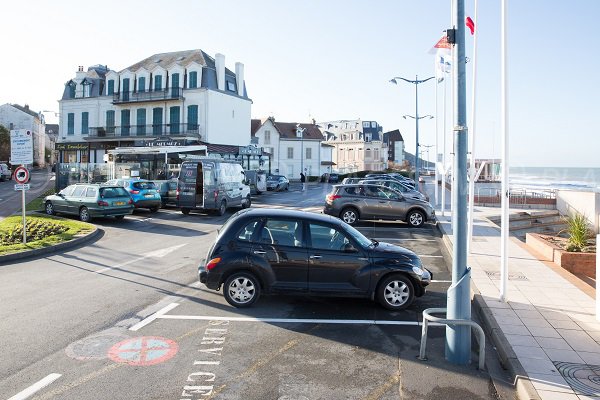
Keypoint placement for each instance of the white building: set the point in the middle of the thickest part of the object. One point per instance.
(178, 102)
(358, 145)
(14, 116)
(293, 147)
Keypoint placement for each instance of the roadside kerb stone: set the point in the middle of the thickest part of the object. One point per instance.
(51, 249)
(524, 387)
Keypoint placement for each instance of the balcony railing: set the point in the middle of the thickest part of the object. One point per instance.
(155, 95)
(108, 132)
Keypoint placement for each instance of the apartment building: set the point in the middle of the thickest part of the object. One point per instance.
(14, 116)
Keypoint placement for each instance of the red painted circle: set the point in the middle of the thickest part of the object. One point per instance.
(24, 171)
(143, 350)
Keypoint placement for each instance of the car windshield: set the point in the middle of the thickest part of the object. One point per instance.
(107, 192)
(282, 179)
(359, 237)
(144, 185)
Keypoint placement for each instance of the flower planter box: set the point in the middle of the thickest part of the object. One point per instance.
(576, 263)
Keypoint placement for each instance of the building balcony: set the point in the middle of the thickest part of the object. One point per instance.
(155, 95)
(144, 131)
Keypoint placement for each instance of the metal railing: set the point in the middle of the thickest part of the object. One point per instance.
(153, 95)
(517, 195)
(427, 317)
(107, 132)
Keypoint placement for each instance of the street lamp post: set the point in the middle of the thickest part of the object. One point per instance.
(416, 83)
(418, 145)
(428, 146)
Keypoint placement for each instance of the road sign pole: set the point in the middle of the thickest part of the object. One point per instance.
(24, 220)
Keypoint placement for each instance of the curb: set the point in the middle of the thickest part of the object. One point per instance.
(51, 249)
(524, 388)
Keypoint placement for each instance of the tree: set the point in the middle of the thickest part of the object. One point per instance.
(4, 144)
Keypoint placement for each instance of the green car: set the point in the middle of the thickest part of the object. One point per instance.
(89, 201)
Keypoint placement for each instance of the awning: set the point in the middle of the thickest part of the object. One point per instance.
(328, 163)
(157, 149)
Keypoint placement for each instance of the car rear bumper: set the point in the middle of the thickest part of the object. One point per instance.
(212, 281)
(147, 203)
(98, 212)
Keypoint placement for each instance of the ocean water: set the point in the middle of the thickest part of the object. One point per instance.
(551, 178)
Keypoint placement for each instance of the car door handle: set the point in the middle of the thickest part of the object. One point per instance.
(315, 257)
(259, 252)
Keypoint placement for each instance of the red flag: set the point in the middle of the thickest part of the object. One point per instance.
(470, 24)
(441, 44)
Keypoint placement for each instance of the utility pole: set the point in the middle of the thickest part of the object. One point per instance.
(458, 338)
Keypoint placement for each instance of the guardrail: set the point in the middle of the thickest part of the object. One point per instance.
(427, 317)
(519, 196)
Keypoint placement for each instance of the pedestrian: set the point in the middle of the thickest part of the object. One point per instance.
(303, 180)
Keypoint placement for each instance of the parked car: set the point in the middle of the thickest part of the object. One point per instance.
(89, 201)
(330, 177)
(5, 172)
(352, 203)
(393, 175)
(257, 180)
(272, 251)
(212, 184)
(406, 190)
(277, 183)
(350, 181)
(168, 192)
(143, 192)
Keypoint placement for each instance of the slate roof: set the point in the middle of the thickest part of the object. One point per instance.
(52, 129)
(287, 130)
(26, 110)
(393, 136)
(165, 60)
(255, 125)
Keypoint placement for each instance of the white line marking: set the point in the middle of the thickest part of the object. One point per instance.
(152, 317)
(35, 387)
(439, 281)
(406, 240)
(293, 320)
(428, 256)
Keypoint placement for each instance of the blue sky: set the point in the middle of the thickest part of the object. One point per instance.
(334, 59)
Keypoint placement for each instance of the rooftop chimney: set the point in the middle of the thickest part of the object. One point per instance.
(220, 67)
(239, 77)
(80, 74)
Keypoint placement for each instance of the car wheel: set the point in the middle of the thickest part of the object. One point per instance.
(50, 208)
(349, 215)
(84, 214)
(185, 211)
(415, 218)
(287, 187)
(154, 209)
(241, 289)
(396, 292)
(119, 217)
(247, 202)
(222, 208)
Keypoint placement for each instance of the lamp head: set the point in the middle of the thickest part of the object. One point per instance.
(394, 81)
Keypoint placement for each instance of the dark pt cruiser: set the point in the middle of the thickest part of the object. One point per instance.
(294, 252)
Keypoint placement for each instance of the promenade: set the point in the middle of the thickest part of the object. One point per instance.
(546, 334)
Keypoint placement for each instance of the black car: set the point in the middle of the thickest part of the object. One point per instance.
(296, 252)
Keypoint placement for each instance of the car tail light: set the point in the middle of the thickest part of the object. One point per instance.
(177, 195)
(102, 203)
(213, 263)
(331, 197)
(130, 201)
(135, 192)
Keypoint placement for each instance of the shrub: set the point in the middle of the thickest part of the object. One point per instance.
(36, 230)
(579, 232)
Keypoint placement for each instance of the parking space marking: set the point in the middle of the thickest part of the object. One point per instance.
(428, 256)
(35, 387)
(152, 317)
(440, 281)
(406, 240)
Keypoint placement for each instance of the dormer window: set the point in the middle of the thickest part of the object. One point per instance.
(157, 82)
(72, 86)
(231, 86)
(193, 80)
(87, 88)
(141, 84)
(110, 88)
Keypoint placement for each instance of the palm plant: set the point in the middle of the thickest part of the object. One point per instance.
(579, 232)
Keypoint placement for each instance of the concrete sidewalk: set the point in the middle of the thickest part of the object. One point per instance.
(546, 334)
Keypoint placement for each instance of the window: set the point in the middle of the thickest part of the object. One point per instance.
(85, 129)
(141, 84)
(110, 121)
(70, 124)
(110, 88)
(72, 87)
(174, 85)
(193, 80)
(324, 237)
(192, 115)
(157, 118)
(355, 190)
(78, 192)
(290, 151)
(157, 82)
(351, 154)
(282, 233)
(125, 122)
(366, 124)
(231, 86)
(308, 153)
(125, 89)
(68, 190)
(376, 154)
(86, 89)
(245, 235)
(141, 121)
(91, 192)
(367, 154)
(267, 137)
(174, 115)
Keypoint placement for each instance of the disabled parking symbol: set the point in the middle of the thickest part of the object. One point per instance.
(143, 351)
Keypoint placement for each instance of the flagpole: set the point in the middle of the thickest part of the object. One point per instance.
(473, 171)
(505, 177)
(444, 155)
(437, 149)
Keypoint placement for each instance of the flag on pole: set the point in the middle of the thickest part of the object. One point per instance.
(441, 44)
(470, 24)
(442, 63)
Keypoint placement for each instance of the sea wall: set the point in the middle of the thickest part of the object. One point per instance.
(587, 203)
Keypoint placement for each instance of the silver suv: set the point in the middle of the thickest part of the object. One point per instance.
(362, 201)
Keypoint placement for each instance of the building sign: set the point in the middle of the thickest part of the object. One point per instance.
(165, 141)
(71, 146)
(250, 151)
(21, 146)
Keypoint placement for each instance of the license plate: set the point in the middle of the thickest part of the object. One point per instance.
(148, 195)
(119, 203)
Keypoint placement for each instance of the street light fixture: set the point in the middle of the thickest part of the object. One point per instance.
(415, 82)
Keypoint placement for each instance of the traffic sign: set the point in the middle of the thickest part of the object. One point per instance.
(22, 186)
(21, 174)
(143, 351)
(21, 146)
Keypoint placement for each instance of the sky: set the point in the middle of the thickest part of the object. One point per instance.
(330, 60)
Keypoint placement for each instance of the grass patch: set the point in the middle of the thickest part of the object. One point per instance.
(44, 224)
(37, 204)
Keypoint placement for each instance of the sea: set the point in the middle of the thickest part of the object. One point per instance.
(553, 178)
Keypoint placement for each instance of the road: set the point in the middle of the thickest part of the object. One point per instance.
(10, 200)
(75, 326)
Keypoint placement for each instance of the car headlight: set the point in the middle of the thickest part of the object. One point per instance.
(417, 271)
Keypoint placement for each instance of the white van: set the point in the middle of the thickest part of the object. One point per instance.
(5, 173)
(212, 184)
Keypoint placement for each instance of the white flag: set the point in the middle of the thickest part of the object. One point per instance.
(442, 63)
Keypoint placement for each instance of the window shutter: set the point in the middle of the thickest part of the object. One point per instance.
(85, 123)
(70, 124)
